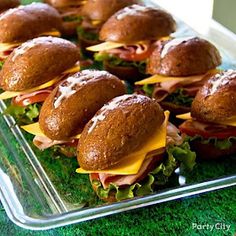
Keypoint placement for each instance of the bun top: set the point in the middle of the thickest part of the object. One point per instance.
(6, 4)
(26, 22)
(120, 127)
(183, 57)
(64, 3)
(216, 100)
(37, 61)
(102, 9)
(137, 23)
(75, 100)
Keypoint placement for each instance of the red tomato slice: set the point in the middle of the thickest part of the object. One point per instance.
(192, 128)
(27, 99)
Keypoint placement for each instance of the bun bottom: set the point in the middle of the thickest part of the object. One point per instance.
(210, 152)
(128, 73)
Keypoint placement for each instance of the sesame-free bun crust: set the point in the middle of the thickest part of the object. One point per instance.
(118, 128)
(6, 4)
(36, 62)
(27, 22)
(144, 23)
(216, 100)
(183, 57)
(102, 9)
(64, 115)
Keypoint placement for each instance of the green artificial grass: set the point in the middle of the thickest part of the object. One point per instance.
(171, 218)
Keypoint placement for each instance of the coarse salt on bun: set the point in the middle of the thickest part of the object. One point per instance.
(37, 61)
(120, 127)
(75, 100)
(137, 23)
(183, 57)
(216, 100)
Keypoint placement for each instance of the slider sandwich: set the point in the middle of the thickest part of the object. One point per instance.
(72, 103)
(129, 38)
(26, 22)
(95, 13)
(179, 67)
(130, 149)
(211, 125)
(6, 4)
(70, 11)
(30, 72)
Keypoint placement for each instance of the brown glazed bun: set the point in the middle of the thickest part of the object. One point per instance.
(26, 22)
(64, 3)
(36, 62)
(216, 100)
(102, 9)
(118, 128)
(6, 4)
(137, 23)
(75, 100)
(183, 57)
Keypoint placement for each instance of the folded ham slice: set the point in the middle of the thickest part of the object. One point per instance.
(172, 137)
(43, 143)
(190, 86)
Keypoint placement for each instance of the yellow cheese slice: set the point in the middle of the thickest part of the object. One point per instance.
(8, 46)
(73, 69)
(185, 116)
(229, 122)
(54, 33)
(161, 78)
(131, 164)
(104, 46)
(96, 22)
(35, 130)
(11, 94)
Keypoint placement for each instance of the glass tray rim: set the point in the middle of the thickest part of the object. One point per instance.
(76, 216)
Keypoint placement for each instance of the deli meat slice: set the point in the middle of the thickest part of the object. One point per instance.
(43, 143)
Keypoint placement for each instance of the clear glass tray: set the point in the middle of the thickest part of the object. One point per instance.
(40, 190)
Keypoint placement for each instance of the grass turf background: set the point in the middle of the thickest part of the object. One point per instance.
(170, 218)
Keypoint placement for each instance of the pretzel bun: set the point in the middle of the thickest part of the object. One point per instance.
(183, 57)
(26, 22)
(37, 61)
(74, 102)
(118, 129)
(216, 100)
(137, 23)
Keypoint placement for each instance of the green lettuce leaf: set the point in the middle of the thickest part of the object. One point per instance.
(221, 144)
(148, 89)
(116, 61)
(179, 98)
(1, 64)
(159, 176)
(72, 18)
(87, 34)
(24, 115)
